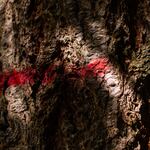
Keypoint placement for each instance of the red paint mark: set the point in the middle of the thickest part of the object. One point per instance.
(95, 68)
(83, 72)
(22, 77)
(99, 66)
(99, 63)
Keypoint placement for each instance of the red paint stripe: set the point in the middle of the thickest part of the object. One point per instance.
(96, 68)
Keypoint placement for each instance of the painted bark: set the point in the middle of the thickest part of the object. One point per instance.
(74, 75)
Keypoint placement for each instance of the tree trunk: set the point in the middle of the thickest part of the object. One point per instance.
(74, 75)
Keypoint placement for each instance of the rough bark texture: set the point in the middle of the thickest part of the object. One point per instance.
(107, 109)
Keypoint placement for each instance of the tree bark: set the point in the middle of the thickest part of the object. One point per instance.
(74, 75)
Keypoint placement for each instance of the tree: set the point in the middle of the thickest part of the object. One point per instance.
(74, 74)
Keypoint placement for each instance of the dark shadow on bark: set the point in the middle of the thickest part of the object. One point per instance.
(125, 44)
(142, 87)
(81, 114)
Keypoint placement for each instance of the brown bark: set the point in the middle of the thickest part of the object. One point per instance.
(106, 112)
